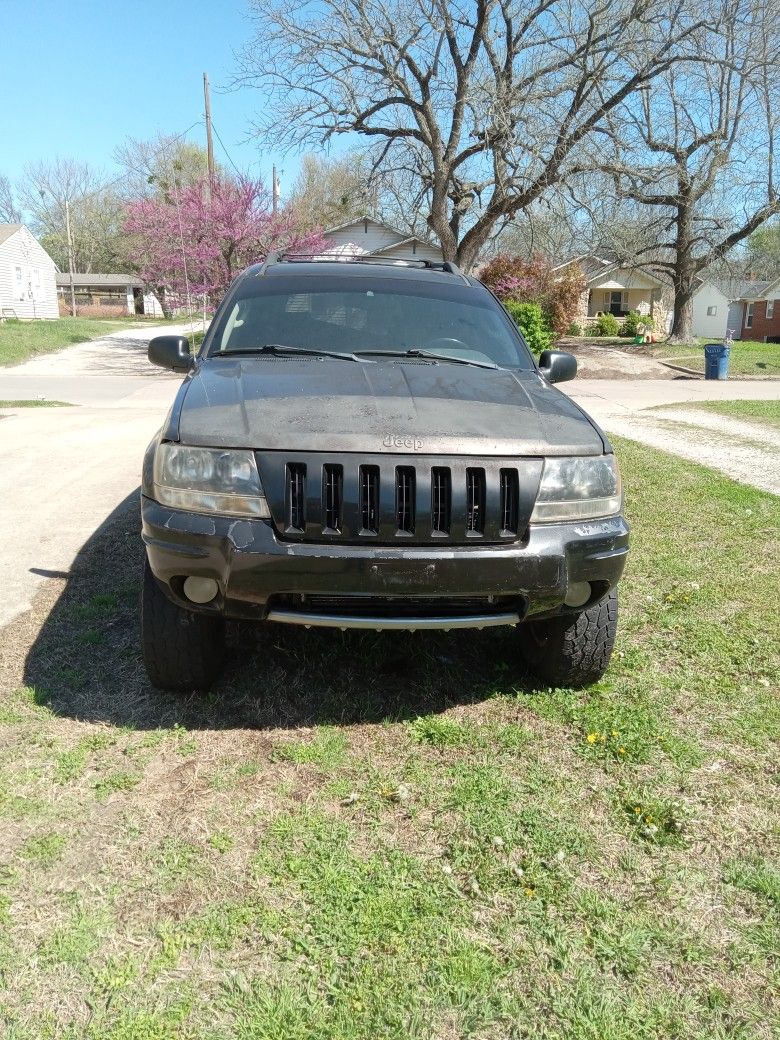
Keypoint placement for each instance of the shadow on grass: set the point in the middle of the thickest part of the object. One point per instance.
(85, 662)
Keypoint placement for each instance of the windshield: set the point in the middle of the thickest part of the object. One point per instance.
(361, 315)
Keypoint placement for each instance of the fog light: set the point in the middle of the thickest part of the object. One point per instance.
(200, 590)
(577, 595)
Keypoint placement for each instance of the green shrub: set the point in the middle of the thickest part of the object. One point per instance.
(606, 325)
(533, 324)
(574, 329)
(633, 324)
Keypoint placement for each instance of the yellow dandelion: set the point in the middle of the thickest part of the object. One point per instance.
(592, 738)
(637, 810)
(529, 892)
(603, 738)
(615, 733)
(621, 751)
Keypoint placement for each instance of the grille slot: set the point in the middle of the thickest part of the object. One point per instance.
(441, 500)
(296, 496)
(510, 497)
(369, 499)
(404, 499)
(332, 498)
(475, 501)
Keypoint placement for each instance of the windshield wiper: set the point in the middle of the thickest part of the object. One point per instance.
(429, 355)
(283, 348)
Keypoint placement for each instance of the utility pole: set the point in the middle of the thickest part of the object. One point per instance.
(209, 138)
(70, 259)
(274, 192)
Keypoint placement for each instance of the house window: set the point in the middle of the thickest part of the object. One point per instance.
(19, 286)
(770, 308)
(616, 303)
(749, 316)
(712, 312)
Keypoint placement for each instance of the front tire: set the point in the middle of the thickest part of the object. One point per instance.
(573, 649)
(182, 650)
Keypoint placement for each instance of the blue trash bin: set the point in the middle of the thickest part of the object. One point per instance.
(716, 361)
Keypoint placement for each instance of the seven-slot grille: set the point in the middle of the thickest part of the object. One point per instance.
(388, 499)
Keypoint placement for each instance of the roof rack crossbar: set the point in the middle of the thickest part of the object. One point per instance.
(365, 258)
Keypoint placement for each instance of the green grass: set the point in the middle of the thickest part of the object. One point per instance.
(35, 404)
(766, 413)
(748, 357)
(401, 836)
(20, 340)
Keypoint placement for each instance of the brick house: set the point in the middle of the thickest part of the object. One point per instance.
(760, 313)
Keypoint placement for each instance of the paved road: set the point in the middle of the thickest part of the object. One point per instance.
(63, 471)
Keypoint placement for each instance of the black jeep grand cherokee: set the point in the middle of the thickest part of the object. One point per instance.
(364, 444)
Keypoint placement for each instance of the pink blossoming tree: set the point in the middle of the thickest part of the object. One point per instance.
(200, 236)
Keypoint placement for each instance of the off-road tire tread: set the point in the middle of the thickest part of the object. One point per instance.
(577, 648)
(182, 651)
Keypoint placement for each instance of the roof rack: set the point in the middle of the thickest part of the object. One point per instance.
(363, 258)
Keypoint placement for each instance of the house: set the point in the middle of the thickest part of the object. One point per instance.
(366, 236)
(106, 295)
(613, 288)
(712, 310)
(754, 309)
(27, 286)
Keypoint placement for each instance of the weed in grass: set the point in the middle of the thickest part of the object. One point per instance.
(176, 860)
(655, 820)
(327, 749)
(76, 941)
(757, 875)
(221, 841)
(119, 781)
(440, 731)
(44, 850)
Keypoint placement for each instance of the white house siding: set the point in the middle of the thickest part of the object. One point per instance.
(27, 278)
(714, 325)
(368, 236)
(413, 251)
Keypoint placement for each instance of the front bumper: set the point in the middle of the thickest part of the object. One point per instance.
(260, 575)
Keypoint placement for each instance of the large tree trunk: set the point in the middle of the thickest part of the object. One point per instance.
(682, 319)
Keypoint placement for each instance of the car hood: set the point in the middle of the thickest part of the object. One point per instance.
(293, 404)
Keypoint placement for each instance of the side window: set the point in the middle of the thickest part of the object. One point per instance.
(712, 312)
(749, 316)
(770, 308)
(18, 283)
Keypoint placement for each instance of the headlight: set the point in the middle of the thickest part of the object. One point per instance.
(578, 489)
(209, 480)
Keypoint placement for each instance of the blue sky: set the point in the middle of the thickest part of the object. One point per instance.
(82, 75)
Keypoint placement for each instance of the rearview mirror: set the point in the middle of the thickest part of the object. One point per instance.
(171, 352)
(557, 366)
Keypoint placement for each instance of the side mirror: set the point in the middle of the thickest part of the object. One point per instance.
(557, 366)
(171, 352)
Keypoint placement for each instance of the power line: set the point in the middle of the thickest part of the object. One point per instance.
(224, 149)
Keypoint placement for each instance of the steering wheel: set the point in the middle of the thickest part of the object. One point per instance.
(447, 343)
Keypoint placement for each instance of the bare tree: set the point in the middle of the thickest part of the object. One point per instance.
(154, 167)
(696, 152)
(330, 191)
(9, 214)
(484, 103)
(95, 213)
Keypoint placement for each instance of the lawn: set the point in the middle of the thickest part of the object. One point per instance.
(43, 403)
(20, 340)
(761, 413)
(748, 357)
(362, 835)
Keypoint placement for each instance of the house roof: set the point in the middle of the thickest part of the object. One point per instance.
(6, 230)
(364, 218)
(594, 267)
(402, 238)
(744, 288)
(100, 281)
(412, 240)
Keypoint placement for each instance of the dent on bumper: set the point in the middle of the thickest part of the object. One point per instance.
(250, 564)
